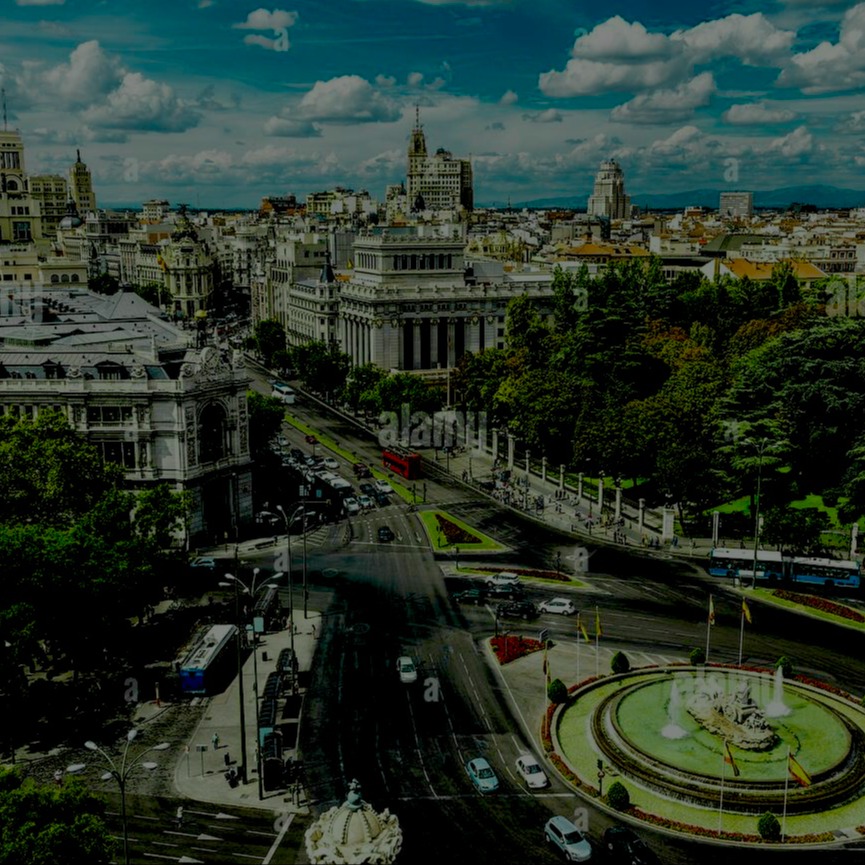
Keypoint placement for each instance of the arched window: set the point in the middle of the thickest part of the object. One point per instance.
(212, 434)
(414, 262)
(74, 278)
(441, 261)
(55, 278)
(64, 277)
(405, 262)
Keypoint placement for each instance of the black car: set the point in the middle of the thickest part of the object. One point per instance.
(512, 593)
(367, 489)
(380, 499)
(625, 847)
(297, 453)
(385, 535)
(519, 610)
(470, 596)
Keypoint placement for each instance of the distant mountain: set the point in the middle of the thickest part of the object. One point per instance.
(820, 195)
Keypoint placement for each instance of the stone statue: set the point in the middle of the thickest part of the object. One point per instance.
(735, 717)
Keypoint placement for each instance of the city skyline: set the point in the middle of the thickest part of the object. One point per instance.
(220, 104)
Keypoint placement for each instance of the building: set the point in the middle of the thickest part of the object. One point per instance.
(609, 198)
(20, 212)
(736, 205)
(154, 211)
(52, 192)
(81, 187)
(437, 181)
(133, 385)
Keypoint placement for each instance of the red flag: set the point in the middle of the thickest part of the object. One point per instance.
(728, 759)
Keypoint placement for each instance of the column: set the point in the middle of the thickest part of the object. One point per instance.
(716, 531)
(668, 524)
(641, 514)
(562, 476)
(367, 340)
(543, 468)
(433, 342)
(528, 455)
(416, 344)
(511, 444)
(452, 349)
(618, 512)
(495, 445)
(579, 487)
(472, 334)
(600, 494)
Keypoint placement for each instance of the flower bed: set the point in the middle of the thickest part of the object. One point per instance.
(509, 648)
(528, 572)
(821, 604)
(454, 534)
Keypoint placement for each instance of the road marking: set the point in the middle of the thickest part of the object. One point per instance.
(241, 855)
(186, 860)
(278, 840)
(163, 844)
(417, 743)
(218, 816)
(263, 834)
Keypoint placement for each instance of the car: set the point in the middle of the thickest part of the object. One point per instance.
(625, 847)
(385, 535)
(205, 563)
(482, 776)
(331, 463)
(311, 440)
(561, 833)
(562, 606)
(365, 502)
(503, 578)
(519, 610)
(361, 470)
(407, 670)
(381, 499)
(383, 487)
(367, 489)
(510, 591)
(470, 596)
(531, 772)
(351, 506)
(297, 453)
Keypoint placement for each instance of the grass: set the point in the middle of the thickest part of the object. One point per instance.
(767, 596)
(486, 543)
(571, 581)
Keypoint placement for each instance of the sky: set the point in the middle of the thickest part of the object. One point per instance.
(217, 103)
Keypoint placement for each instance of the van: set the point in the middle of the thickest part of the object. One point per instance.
(283, 392)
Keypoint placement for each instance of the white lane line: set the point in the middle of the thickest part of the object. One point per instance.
(163, 844)
(263, 834)
(233, 853)
(278, 840)
(478, 701)
(378, 757)
(418, 748)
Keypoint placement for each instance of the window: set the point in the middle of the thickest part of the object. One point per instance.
(109, 415)
(122, 453)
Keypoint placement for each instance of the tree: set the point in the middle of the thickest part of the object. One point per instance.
(162, 515)
(361, 385)
(322, 367)
(619, 663)
(557, 691)
(797, 531)
(697, 656)
(269, 338)
(786, 666)
(103, 284)
(48, 825)
(266, 414)
(769, 827)
(618, 796)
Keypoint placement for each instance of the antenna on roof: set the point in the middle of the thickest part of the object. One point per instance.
(3, 91)
(417, 115)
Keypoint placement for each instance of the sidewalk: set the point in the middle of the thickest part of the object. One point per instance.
(200, 771)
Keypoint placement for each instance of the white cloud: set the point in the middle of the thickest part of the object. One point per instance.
(854, 122)
(617, 39)
(262, 19)
(831, 66)
(667, 106)
(413, 79)
(347, 99)
(550, 115)
(508, 98)
(796, 144)
(143, 104)
(385, 80)
(587, 77)
(757, 114)
(751, 38)
(285, 127)
(89, 75)
(280, 43)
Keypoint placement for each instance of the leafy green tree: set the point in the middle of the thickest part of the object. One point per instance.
(266, 414)
(361, 385)
(525, 332)
(104, 284)
(769, 827)
(786, 665)
(557, 691)
(322, 367)
(697, 656)
(162, 515)
(283, 359)
(618, 796)
(269, 338)
(619, 663)
(50, 825)
(795, 530)
(401, 388)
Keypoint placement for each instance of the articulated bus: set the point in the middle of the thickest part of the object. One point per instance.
(773, 567)
(208, 667)
(402, 461)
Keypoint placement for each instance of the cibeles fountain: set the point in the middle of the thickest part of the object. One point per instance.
(666, 732)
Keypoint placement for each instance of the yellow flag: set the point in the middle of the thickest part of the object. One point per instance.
(728, 759)
(582, 628)
(797, 771)
(598, 631)
(746, 612)
(711, 611)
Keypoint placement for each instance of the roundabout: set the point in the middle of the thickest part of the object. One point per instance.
(708, 750)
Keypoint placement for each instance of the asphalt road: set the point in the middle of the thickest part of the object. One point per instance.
(407, 744)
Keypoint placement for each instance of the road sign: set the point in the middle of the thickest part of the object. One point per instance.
(544, 634)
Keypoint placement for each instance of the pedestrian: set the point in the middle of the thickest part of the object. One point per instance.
(215, 741)
(58, 777)
(179, 816)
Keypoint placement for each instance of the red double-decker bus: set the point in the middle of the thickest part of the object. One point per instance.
(402, 461)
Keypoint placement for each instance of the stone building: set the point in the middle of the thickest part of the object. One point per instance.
(609, 198)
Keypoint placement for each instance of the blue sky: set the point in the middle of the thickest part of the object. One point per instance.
(218, 103)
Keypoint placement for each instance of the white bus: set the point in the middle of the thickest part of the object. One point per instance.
(283, 392)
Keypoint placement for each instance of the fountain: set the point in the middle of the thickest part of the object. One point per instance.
(673, 729)
(778, 708)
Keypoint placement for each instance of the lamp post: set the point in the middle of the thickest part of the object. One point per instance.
(251, 590)
(121, 773)
(290, 593)
(761, 446)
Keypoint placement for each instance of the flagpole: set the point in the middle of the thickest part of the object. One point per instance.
(597, 650)
(579, 640)
(721, 802)
(741, 635)
(708, 629)
(786, 782)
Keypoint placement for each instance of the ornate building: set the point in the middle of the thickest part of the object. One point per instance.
(20, 211)
(609, 197)
(81, 186)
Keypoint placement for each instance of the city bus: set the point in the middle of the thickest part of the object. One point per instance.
(283, 392)
(210, 664)
(773, 567)
(401, 461)
(268, 608)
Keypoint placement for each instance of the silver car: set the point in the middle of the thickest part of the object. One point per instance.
(561, 833)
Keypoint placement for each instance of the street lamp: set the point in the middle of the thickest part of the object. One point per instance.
(761, 446)
(121, 773)
(290, 592)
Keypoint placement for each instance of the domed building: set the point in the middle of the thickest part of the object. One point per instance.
(354, 833)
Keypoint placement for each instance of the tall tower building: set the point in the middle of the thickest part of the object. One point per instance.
(609, 197)
(438, 181)
(20, 212)
(736, 205)
(81, 187)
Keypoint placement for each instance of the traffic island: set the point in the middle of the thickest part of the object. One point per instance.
(448, 533)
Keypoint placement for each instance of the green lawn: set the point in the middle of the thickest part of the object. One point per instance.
(436, 539)
(766, 595)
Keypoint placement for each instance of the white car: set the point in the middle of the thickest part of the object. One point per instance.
(331, 463)
(365, 502)
(384, 487)
(407, 670)
(503, 579)
(351, 506)
(531, 772)
(562, 606)
(204, 562)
